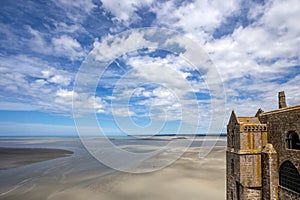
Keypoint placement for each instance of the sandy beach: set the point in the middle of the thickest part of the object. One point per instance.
(80, 176)
(15, 157)
(188, 178)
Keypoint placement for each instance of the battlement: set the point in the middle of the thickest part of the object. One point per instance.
(254, 127)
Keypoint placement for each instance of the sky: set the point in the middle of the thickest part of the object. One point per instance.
(143, 67)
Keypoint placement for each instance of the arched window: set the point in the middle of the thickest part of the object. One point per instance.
(289, 177)
(293, 141)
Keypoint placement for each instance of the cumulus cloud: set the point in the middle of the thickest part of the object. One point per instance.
(62, 46)
(197, 19)
(29, 87)
(59, 79)
(153, 74)
(66, 46)
(112, 47)
(255, 60)
(156, 87)
(124, 11)
(252, 59)
(256, 56)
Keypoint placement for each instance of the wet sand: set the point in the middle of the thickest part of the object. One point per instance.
(188, 178)
(80, 176)
(15, 157)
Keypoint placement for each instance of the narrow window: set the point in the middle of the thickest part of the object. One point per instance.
(232, 138)
(293, 141)
(237, 190)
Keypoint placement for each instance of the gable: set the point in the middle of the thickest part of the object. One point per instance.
(233, 119)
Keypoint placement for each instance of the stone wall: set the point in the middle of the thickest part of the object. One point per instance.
(250, 170)
(243, 156)
(243, 175)
(285, 194)
(232, 174)
(252, 194)
(280, 122)
(253, 165)
(269, 173)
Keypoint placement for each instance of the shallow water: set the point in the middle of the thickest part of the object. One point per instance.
(45, 179)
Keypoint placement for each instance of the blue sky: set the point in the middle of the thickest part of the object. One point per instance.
(254, 46)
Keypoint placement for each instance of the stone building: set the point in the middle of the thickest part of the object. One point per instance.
(263, 154)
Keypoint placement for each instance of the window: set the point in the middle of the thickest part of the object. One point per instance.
(289, 177)
(237, 190)
(293, 141)
(233, 139)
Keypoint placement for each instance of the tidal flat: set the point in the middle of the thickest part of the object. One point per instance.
(68, 171)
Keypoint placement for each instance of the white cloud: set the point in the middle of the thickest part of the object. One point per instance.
(112, 47)
(38, 43)
(68, 47)
(166, 100)
(169, 73)
(59, 79)
(159, 104)
(198, 19)
(64, 96)
(263, 51)
(83, 102)
(29, 86)
(86, 5)
(62, 46)
(124, 11)
(65, 28)
(253, 60)
(282, 16)
(122, 112)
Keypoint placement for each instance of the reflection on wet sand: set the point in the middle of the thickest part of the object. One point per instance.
(15, 157)
(80, 176)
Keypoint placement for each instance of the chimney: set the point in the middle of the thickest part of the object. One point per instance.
(281, 99)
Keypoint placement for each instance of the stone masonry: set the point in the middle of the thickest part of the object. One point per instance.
(263, 154)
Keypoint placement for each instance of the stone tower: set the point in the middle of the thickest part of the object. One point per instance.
(281, 100)
(246, 138)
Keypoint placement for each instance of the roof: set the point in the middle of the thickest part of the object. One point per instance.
(248, 120)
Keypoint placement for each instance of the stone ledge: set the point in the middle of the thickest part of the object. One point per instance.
(286, 109)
